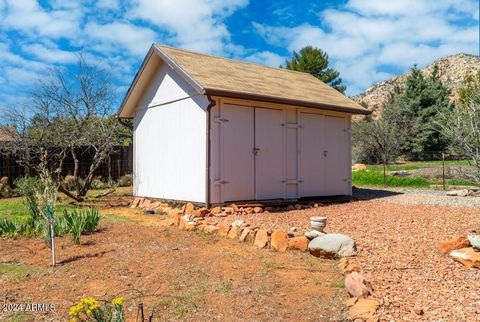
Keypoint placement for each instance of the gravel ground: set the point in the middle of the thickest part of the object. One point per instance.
(416, 197)
(396, 236)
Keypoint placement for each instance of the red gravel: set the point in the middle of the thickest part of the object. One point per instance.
(397, 253)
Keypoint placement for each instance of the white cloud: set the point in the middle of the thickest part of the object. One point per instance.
(266, 58)
(106, 37)
(29, 17)
(50, 54)
(363, 37)
(193, 24)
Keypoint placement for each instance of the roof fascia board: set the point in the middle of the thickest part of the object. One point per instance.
(170, 62)
(134, 82)
(270, 99)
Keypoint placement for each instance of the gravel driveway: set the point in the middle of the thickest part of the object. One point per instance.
(396, 232)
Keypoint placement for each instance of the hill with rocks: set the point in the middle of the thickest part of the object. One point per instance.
(451, 70)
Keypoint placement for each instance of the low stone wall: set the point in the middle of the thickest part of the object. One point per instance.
(361, 305)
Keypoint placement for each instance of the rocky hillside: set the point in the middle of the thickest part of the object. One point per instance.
(451, 69)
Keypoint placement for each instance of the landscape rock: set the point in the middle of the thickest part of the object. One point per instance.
(458, 193)
(363, 309)
(238, 223)
(300, 243)
(359, 167)
(467, 256)
(149, 211)
(216, 210)
(332, 246)
(210, 229)
(135, 202)
(257, 210)
(249, 210)
(446, 246)
(313, 234)
(176, 216)
(233, 232)
(227, 210)
(244, 235)
(161, 211)
(261, 238)
(234, 207)
(279, 241)
(223, 230)
(347, 266)
(145, 203)
(357, 285)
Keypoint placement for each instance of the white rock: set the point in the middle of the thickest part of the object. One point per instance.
(332, 245)
(238, 223)
(313, 234)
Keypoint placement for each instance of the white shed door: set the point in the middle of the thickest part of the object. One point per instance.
(237, 166)
(311, 163)
(336, 156)
(323, 155)
(270, 154)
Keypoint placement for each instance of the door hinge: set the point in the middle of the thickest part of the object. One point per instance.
(220, 119)
(220, 182)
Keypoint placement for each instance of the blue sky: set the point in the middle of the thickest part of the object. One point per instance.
(367, 40)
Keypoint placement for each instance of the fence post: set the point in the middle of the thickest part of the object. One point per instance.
(443, 171)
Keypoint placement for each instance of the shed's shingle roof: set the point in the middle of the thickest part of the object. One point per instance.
(233, 78)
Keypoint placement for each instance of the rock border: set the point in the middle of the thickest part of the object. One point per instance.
(361, 306)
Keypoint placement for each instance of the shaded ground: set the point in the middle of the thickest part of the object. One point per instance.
(396, 237)
(182, 275)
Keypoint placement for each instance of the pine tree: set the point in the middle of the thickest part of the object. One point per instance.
(315, 62)
(420, 102)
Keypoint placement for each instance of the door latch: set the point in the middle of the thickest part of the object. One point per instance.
(255, 151)
(325, 152)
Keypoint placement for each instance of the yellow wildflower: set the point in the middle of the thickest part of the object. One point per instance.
(76, 309)
(118, 301)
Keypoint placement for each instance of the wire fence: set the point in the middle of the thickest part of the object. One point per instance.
(118, 164)
(442, 168)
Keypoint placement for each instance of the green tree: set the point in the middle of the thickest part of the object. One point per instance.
(420, 102)
(315, 62)
(470, 86)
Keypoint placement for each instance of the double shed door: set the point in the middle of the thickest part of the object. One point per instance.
(253, 153)
(253, 157)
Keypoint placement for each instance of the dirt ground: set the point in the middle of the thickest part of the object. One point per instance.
(396, 234)
(182, 275)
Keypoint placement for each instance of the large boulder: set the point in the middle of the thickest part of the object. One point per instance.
(332, 246)
(299, 242)
(261, 238)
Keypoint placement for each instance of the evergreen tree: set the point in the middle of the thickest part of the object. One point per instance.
(420, 102)
(315, 62)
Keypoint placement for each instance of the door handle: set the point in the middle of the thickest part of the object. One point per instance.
(325, 152)
(255, 151)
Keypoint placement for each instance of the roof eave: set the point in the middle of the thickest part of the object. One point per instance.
(278, 100)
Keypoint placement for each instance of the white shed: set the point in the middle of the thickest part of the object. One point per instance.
(213, 130)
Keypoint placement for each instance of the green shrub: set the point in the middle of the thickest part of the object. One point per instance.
(12, 228)
(78, 222)
(125, 180)
(29, 187)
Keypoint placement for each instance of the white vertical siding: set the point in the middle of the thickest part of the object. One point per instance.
(170, 140)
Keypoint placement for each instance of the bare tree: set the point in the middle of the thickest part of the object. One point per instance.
(70, 113)
(462, 127)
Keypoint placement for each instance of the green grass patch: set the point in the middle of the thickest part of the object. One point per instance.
(374, 178)
(458, 182)
(417, 165)
(15, 271)
(338, 283)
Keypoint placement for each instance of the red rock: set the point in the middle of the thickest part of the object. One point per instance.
(446, 246)
(300, 243)
(203, 211)
(249, 210)
(279, 241)
(467, 256)
(346, 266)
(234, 232)
(363, 309)
(161, 211)
(189, 207)
(234, 207)
(359, 167)
(216, 210)
(140, 203)
(357, 285)
(146, 203)
(135, 202)
(210, 229)
(227, 210)
(244, 235)
(261, 238)
(176, 216)
(223, 230)
(257, 210)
